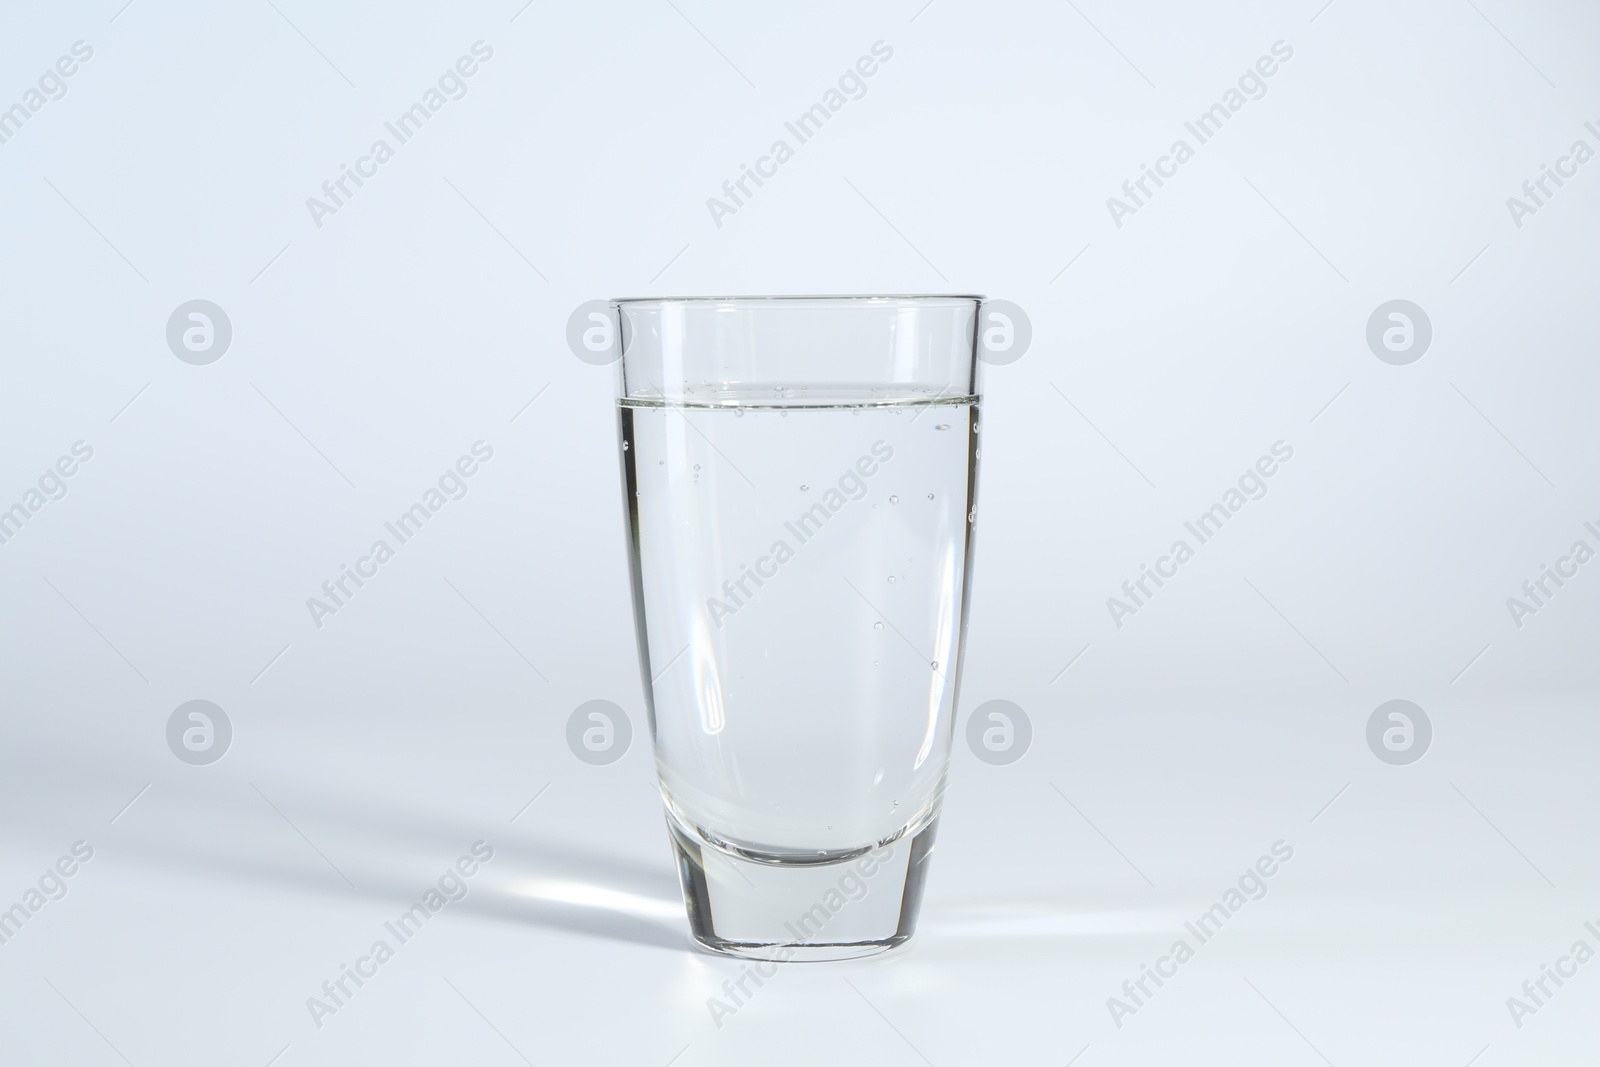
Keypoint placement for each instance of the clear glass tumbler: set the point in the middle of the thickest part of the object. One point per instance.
(800, 476)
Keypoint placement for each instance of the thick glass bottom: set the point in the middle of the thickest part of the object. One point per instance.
(793, 911)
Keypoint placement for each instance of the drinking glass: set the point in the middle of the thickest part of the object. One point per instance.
(800, 475)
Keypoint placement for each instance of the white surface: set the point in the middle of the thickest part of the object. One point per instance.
(420, 718)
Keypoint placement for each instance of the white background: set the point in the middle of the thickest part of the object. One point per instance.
(369, 353)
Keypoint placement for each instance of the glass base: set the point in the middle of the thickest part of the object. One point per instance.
(784, 910)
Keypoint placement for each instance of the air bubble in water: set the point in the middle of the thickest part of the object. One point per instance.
(877, 626)
(624, 446)
(891, 579)
(935, 664)
(697, 466)
(930, 496)
(894, 500)
(805, 488)
(942, 426)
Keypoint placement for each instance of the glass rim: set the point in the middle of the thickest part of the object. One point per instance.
(800, 298)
